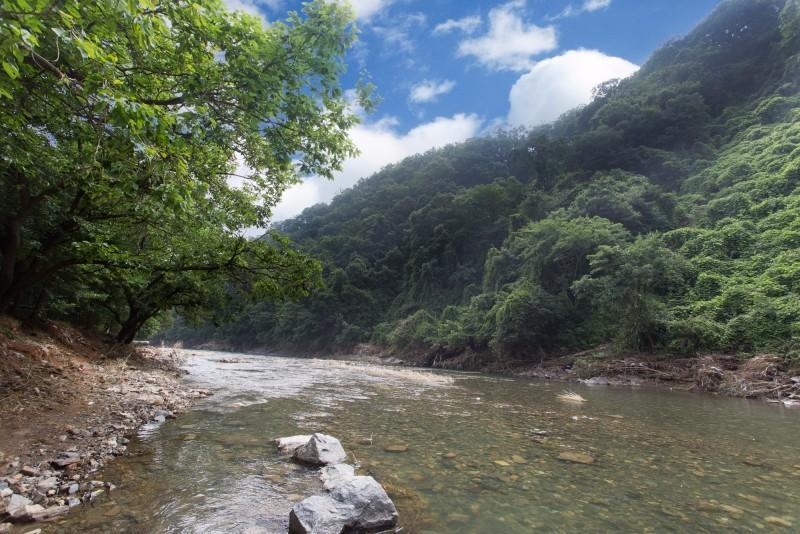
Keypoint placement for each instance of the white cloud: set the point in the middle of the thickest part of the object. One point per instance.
(510, 43)
(466, 25)
(366, 9)
(253, 7)
(380, 144)
(560, 83)
(594, 5)
(430, 90)
(587, 7)
(397, 36)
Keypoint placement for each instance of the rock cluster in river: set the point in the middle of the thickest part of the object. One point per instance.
(350, 503)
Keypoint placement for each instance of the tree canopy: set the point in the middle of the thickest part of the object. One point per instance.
(143, 138)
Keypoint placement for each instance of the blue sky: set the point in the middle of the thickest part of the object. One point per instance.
(449, 70)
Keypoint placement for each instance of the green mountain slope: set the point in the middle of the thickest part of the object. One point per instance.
(665, 215)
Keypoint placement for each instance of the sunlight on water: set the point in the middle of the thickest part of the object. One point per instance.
(481, 454)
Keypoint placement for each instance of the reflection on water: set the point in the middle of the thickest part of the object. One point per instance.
(481, 455)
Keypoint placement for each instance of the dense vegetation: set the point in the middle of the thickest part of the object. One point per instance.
(664, 216)
(123, 124)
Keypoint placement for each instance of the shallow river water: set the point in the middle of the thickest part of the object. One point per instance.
(482, 454)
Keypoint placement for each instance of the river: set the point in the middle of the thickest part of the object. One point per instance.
(480, 454)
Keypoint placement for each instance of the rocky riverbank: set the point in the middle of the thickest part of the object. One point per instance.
(770, 377)
(69, 403)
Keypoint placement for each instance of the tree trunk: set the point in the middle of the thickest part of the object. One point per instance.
(10, 248)
(134, 322)
(129, 329)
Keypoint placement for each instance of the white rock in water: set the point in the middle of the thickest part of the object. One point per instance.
(321, 449)
(290, 443)
(336, 475)
(360, 504)
(319, 514)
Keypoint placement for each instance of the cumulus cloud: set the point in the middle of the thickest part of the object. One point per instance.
(466, 25)
(587, 7)
(380, 143)
(560, 83)
(253, 7)
(510, 43)
(430, 90)
(366, 9)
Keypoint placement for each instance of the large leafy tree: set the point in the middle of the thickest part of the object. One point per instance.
(125, 126)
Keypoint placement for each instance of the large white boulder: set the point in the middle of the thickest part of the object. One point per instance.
(361, 504)
(336, 475)
(321, 449)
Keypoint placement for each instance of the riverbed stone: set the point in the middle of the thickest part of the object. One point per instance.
(336, 475)
(16, 506)
(29, 471)
(396, 447)
(597, 381)
(321, 449)
(359, 505)
(576, 457)
(778, 521)
(48, 514)
(47, 484)
(65, 459)
(289, 444)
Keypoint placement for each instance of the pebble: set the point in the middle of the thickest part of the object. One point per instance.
(29, 471)
(396, 447)
(576, 457)
(778, 521)
(47, 484)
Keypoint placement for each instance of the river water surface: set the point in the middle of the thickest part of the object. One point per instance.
(480, 454)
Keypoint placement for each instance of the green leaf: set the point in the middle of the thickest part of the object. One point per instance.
(11, 70)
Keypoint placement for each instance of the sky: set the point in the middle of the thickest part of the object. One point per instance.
(449, 70)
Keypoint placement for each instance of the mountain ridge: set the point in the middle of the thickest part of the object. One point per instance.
(662, 216)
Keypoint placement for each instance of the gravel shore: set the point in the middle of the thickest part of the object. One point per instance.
(69, 404)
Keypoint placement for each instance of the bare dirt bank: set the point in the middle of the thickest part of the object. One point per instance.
(68, 401)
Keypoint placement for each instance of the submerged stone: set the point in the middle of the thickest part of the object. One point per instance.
(778, 521)
(576, 457)
(396, 447)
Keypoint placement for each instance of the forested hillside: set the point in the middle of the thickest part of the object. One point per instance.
(663, 216)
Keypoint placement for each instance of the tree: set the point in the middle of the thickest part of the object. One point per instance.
(629, 284)
(121, 117)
